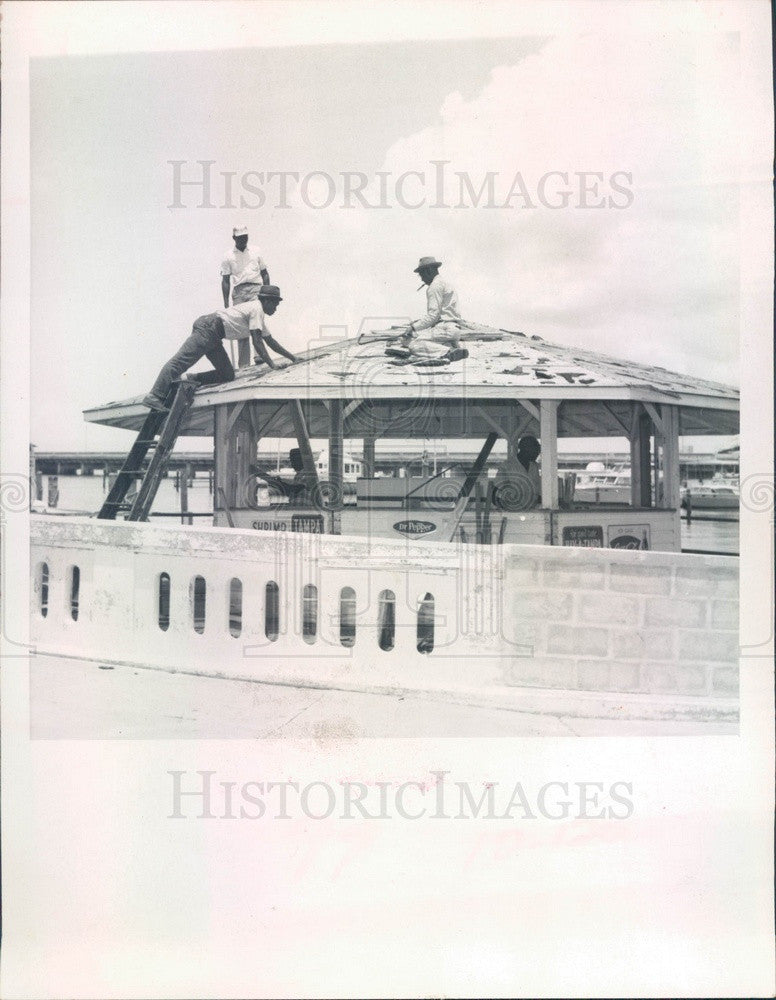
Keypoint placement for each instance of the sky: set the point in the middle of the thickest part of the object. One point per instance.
(119, 272)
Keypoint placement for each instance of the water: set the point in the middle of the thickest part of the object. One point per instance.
(86, 493)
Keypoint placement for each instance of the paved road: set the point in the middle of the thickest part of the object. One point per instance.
(78, 699)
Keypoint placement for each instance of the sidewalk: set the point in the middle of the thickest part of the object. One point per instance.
(79, 699)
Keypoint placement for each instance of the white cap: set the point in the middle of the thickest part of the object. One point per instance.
(240, 231)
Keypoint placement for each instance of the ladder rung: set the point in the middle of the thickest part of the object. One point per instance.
(162, 425)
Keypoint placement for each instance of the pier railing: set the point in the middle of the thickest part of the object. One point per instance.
(368, 614)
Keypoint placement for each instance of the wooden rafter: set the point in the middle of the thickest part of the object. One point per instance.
(303, 440)
(234, 415)
(489, 420)
(619, 421)
(656, 418)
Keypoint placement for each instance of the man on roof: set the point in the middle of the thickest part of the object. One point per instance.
(246, 267)
(433, 338)
(246, 319)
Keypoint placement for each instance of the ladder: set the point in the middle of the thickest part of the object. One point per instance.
(158, 435)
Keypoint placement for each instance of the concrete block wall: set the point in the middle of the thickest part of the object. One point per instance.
(622, 621)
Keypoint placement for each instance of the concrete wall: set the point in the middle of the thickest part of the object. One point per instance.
(504, 617)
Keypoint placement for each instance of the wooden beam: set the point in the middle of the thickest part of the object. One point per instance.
(621, 423)
(468, 486)
(635, 414)
(548, 428)
(220, 457)
(225, 506)
(657, 420)
(493, 423)
(574, 425)
(245, 455)
(352, 406)
(303, 440)
(671, 483)
(479, 464)
(641, 474)
(234, 416)
(532, 408)
(336, 459)
(699, 420)
(252, 414)
(369, 457)
(270, 418)
(520, 429)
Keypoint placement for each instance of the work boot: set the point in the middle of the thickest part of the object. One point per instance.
(457, 354)
(431, 362)
(153, 402)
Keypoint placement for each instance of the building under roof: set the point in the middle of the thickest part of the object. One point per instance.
(502, 365)
(509, 386)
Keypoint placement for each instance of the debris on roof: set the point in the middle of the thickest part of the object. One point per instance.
(539, 369)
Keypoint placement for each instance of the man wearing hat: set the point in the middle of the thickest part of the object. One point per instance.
(246, 266)
(435, 335)
(238, 322)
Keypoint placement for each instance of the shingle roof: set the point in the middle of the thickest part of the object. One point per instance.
(502, 365)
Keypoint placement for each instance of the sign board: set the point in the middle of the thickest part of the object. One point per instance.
(414, 527)
(309, 523)
(589, 536)
(628, 536)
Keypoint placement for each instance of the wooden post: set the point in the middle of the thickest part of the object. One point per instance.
(513, 421)
(548, 423)
(336, 460)
(220, 457)
(303, 441)
(38, 485)
(641, 469)
(245, 453)
(369, 457)
(183, 483)
(671, 483)
(53, 491)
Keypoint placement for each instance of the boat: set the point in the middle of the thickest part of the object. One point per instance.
(601, 484)
(711, 496)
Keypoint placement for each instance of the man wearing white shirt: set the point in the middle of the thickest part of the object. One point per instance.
(435, 335)
(246, 266)
(238, 322)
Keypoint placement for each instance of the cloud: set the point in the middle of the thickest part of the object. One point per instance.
(653, 280)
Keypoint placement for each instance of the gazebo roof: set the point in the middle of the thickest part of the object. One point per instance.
(502, 366)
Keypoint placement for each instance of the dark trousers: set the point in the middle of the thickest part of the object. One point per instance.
(206, 341)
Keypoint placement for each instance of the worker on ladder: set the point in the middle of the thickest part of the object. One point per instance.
(206, 340)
